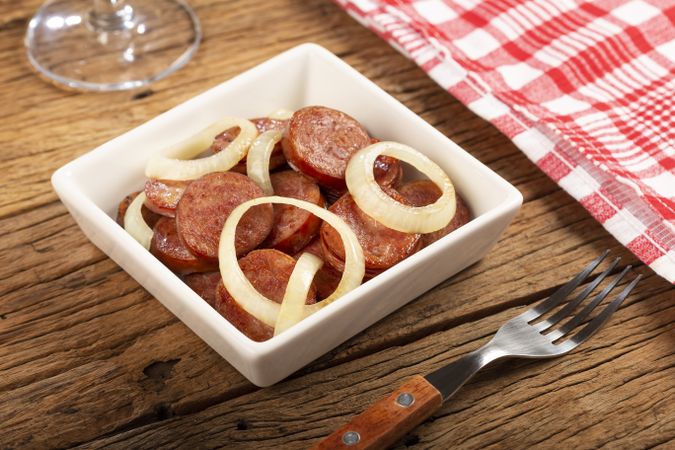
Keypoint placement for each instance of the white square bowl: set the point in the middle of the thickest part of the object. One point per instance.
(92, 186)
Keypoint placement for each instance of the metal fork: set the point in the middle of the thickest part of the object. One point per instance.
(390, 419)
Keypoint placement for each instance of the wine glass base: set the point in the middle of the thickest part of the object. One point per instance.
(72, 46)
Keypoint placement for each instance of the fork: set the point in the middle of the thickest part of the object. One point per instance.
(388, 420)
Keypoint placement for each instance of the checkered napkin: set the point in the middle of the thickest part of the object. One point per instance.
(585, 89)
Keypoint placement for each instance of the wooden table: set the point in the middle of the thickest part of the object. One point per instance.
(88, 357)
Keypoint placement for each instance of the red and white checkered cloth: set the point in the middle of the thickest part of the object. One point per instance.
(585, 89)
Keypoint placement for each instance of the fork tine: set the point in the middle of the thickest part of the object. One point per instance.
(576, 320)
(546, 305)
(595, 324)
(571, 306)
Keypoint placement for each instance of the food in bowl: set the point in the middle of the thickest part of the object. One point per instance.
(247, 227)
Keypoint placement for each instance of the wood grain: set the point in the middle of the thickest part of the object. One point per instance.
(582, 400)
(87, 357)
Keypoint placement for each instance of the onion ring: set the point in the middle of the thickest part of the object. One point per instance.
(174, 162)
(372, 200)
(257, 304)
(292, 305)
(134, 223)
(281, 114)
(258, 159)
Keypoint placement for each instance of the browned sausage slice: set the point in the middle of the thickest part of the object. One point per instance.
(204, 284)
(263, 124)
(388, 170)
(277, 162)
(294, 227)
(333, 195)
(382, 246)
(268, 271)
(150, 217)
(327, 278)
(167, 246)
(425, 192)
(205, 206)
(162, 196)
(320, 141)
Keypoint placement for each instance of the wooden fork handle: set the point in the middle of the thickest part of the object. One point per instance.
(388, 420)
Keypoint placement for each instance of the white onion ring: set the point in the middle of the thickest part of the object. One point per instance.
(174, 162)
(292, 305)
(258, 159)
(281, 114)
(134, 223)
(257, 304)
(372, 200)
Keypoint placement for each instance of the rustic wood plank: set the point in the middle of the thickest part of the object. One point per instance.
(577, 401)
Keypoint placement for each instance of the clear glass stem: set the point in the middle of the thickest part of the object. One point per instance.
(108, 6)
(111, 15)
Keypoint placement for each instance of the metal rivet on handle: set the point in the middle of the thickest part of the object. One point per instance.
(351, 438)
(405, 399)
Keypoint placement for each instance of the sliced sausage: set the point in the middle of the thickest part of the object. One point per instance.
(294, 227)
(206, 204)
(425, 192)
(333, 195)
(327, 278)
(263, 124)
(204, 284)
(382, 246)
(150, 217)
(388, 171)
(277, 162)
(320, 141)
(268, 271)
(162, 196)
(167, 246)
